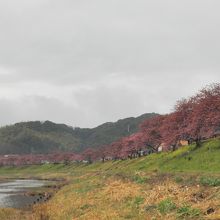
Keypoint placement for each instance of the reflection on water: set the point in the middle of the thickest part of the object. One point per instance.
(12, 194)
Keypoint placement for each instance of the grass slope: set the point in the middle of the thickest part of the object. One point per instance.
(184, 184)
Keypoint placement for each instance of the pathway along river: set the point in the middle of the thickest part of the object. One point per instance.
(14, 193)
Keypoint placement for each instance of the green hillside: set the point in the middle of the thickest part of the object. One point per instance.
(184, 184)
(187, 159)
(45, 137)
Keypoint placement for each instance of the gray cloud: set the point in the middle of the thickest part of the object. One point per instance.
(87, 62)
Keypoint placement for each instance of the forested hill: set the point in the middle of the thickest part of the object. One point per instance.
(45, 137)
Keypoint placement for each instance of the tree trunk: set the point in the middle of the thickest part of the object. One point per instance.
(198, 143)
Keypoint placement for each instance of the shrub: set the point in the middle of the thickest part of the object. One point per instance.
(166, 206)
(209, 181)
(139, 179)
(138, 201)
(187, 211)
(178, 179)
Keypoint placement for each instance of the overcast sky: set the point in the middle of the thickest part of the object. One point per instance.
(87, 62)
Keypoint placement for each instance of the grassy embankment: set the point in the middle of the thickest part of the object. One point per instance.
(184, 184)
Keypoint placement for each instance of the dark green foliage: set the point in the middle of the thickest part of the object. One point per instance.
(109, 132)
(47, 137)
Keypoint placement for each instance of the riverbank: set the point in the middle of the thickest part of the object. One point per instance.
(175, 185)
(23, 193)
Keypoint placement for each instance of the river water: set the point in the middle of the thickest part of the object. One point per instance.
(14, 193)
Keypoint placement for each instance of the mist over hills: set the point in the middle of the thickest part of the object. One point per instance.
(46, 137)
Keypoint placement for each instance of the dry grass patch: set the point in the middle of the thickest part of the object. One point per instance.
(109, 201)
(196, 197)
(114, 198)
(14, 214)
(118, 190)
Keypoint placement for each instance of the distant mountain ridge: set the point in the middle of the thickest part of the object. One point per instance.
(46, 137)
